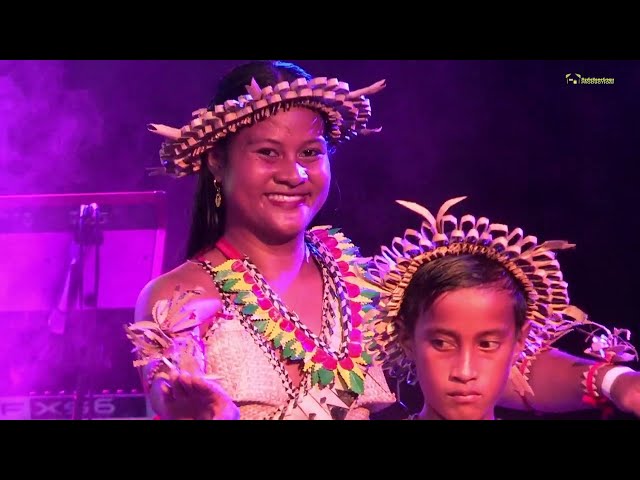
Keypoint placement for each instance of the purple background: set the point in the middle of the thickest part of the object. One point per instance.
(529, 150)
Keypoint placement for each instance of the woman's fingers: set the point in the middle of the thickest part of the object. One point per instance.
(201, 386)
(183, 386)
(165, 388)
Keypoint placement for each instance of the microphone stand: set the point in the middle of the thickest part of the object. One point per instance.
(87, 241)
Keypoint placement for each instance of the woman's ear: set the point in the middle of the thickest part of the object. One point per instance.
(215, 163)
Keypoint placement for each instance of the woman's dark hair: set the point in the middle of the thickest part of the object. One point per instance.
(207, 222)
(453, 272)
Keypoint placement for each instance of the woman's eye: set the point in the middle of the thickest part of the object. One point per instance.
(268, 152)
(311, 152)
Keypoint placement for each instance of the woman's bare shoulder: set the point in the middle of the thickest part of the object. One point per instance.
(185, 277)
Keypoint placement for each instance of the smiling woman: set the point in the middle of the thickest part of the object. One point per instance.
(266, 318)
(275, 177)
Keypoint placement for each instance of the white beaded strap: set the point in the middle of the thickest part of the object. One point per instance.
(610, 377)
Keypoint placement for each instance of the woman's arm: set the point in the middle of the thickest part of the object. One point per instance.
(557, 380)
(168, 323)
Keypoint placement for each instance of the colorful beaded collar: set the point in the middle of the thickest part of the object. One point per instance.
(245, 289)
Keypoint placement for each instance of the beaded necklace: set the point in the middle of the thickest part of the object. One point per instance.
(276, 328)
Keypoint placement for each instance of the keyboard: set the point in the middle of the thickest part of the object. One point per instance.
(103, 406)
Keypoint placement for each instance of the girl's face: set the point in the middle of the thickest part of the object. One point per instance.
(464, 347)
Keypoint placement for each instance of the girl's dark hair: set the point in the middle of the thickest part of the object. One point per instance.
(207, 221)
(454, 272)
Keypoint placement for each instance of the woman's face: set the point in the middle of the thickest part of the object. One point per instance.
(277, 175)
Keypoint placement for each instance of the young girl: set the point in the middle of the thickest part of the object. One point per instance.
(466, 305)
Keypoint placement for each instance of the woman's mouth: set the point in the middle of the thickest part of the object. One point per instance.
(286, 200)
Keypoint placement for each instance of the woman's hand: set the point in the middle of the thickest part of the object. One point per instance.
(184, 396)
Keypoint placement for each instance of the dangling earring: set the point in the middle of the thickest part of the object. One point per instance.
(412, 375)
(218, 200)
(399, 397)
